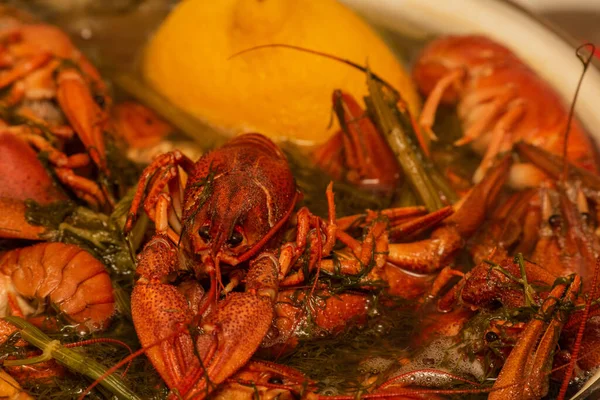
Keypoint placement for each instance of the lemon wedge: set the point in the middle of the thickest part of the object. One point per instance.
(283, 93)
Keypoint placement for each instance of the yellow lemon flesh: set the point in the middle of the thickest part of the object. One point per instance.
(283, 93)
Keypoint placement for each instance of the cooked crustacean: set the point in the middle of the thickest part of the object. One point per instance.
(552, 226)
(55, 100)
(53, 276)
(10, 389)
(216, 240)
(500, 101)
(45, 276)
(54, 93)
(236, 269)
(358, 153)
(23, 177)
(60, 276)
(53, 133)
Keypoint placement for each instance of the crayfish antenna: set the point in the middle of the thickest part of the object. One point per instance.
(586, 60)
(128, 360)
(103, 340)
(574, 355)
(362, 68)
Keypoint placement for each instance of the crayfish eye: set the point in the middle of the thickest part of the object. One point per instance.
(491, 336)
(586, 217)
(275, 380)
(235, 239)
(99, 100)
(555, 221)
(204, 233)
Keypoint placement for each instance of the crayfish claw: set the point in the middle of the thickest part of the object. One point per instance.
(526, 371)
(195, 357)
(430, 255)
(233, 331)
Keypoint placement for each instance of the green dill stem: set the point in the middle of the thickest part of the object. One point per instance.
(497, 267)
(72, 359)
(402, 146)
(45, 356)
(119, 217)
(206, 137)
(136, 236)
(97, 238)
(526, 287)
(90, 215)
(437, 178)
(119, 214)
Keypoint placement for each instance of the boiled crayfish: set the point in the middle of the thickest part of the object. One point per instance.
(41, 67)
(39, 278)
(56, 102)
(502, 105)
(500, 101)
(235, 204)
(54, 130)
(230, 220)
(235, 262)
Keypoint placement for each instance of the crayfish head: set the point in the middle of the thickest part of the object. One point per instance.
(580, 237)
(567, 242)
(236, 221)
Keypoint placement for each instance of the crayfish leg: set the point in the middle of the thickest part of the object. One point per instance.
(430, 255)
(160, 312)
(359, 152)
(159, 174)
(450, 80)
